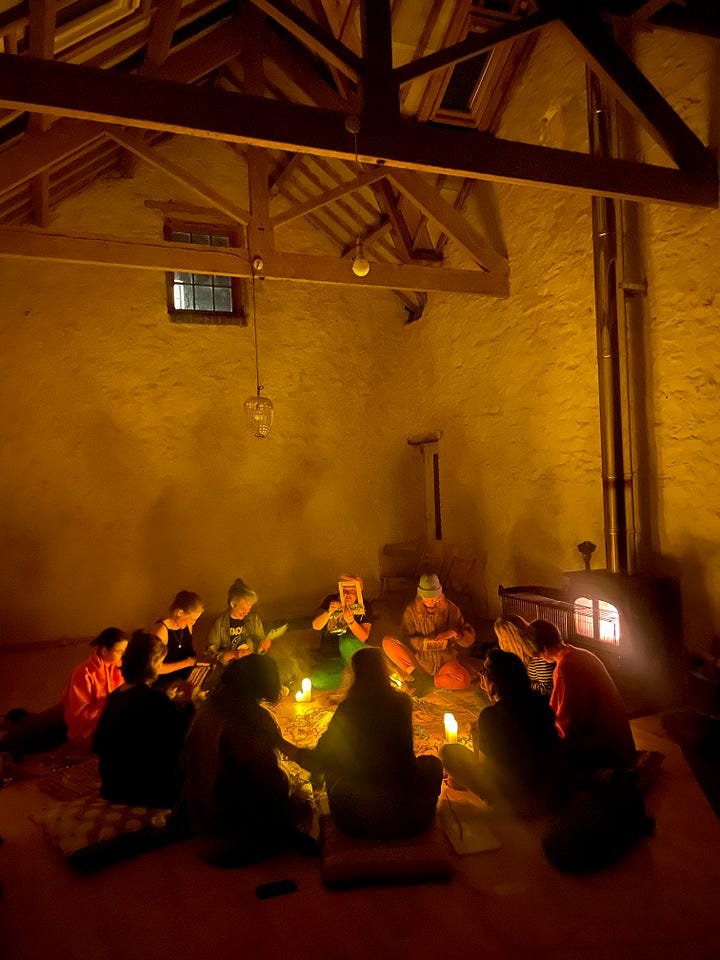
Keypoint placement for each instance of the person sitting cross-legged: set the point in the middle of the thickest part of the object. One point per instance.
(434, 633)
(238, 631)
(344, 620)
(377, 788)
(236, 795)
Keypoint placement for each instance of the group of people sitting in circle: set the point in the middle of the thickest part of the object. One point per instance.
(554, 718)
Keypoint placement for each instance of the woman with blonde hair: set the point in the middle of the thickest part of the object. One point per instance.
(514, 636)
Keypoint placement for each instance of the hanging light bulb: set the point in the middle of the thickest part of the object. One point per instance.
(360, 266)
(258, 409)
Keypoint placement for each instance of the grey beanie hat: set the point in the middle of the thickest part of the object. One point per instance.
(429, 586)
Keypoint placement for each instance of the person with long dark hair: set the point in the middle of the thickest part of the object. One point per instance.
(521, 761)
(376, 786)
(236, 795)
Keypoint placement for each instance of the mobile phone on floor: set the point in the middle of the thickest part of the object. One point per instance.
(276, 888)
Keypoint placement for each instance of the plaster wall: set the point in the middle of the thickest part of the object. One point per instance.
(513, 383)
(129, 471)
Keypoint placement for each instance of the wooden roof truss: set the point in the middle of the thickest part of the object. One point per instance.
(345, 113)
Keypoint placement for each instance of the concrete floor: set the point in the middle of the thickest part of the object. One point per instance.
(508, 904)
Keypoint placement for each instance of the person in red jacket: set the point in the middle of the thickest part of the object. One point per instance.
(91, 683)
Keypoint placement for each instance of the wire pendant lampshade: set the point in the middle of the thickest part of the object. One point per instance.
(258, 409)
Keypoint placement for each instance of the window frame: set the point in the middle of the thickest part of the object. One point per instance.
(235, 317)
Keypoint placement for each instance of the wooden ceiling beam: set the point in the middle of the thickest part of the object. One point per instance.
(69, 90)
(135, 144)
(41, 34)
(25, 244)
(199, 57)
(312, 36)
(380, 88)
(287, 72)
(387, 201)
(164, 22)
(473, 45)
(37, 152)
(635, 92)
(422, 194)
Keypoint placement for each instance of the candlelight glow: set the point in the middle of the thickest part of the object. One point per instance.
(302, 696)
(451, 728)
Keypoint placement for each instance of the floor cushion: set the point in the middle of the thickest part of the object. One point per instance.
(347, 862)
(93, 833)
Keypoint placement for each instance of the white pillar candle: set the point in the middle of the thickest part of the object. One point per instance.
(451, 728)
(302, 696)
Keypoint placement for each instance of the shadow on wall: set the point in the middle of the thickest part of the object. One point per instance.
(692, 571)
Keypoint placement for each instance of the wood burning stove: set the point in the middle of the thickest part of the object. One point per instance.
(631, 622)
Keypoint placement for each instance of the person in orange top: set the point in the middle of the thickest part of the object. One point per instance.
(589, 712)
(91, 682)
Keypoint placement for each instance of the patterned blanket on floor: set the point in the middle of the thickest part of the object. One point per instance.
(304, 723)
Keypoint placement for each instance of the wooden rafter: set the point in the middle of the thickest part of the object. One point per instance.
(37, 152)
(135, 144)
(289, 74)
(161, 33)
(119, 252)
(635, 92)
(473, 45)
(380, 88)
(449, 220)
(312, 36)
(315, 203)
(64, 89)
(387, 201)
(41, 32)
(203, 55)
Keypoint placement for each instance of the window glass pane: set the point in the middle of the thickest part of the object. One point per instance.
(183, 278)
(203, 298)
(223, 299)
(180, 237)
(202, 238)
(203, 278)
(220, 241)
(183, 296)
(222, 281)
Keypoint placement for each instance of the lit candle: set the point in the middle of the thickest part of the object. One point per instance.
(451, 728)
(302, 696)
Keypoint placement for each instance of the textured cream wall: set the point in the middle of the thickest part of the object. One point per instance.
(514, 385)
(130, 473)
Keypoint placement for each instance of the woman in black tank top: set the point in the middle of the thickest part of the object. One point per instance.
(175, 631)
